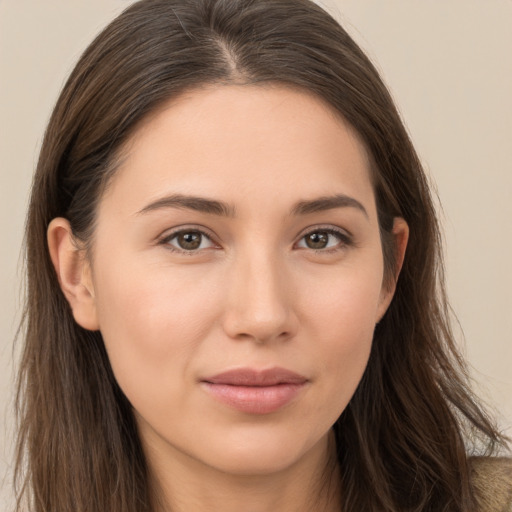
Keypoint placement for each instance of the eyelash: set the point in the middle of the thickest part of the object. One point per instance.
(345, 240)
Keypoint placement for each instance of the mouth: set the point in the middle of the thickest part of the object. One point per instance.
(255, 391)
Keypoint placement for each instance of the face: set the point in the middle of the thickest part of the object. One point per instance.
(237, 276)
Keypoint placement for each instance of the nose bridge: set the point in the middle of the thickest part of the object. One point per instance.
(259, 299)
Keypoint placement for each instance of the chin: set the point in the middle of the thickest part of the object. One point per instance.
(260, 455)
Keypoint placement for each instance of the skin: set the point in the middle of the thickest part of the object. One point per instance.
(254, 294)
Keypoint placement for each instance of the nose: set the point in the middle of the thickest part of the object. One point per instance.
(260, 300)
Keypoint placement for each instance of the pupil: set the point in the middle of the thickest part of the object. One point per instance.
(190, 240)
(317, 240)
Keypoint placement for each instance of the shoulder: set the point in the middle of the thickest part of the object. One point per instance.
(492, 481)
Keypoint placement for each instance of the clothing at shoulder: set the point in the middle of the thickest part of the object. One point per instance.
(492, 480)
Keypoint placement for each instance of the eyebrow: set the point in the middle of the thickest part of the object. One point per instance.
(328, 203)
(199, 204)
(214, 207)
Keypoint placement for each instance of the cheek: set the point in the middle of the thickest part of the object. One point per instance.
(345, 301)
(341, 321)
(152, 322)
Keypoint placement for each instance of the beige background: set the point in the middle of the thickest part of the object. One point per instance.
(449, 66)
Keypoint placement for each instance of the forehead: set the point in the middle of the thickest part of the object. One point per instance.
(240, 141)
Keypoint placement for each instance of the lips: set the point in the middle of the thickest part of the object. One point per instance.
(255, 391)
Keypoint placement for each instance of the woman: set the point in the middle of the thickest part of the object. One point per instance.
(235, 290)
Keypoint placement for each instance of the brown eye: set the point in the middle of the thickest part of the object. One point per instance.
(189, 241)
(317, 240)
(329, 239)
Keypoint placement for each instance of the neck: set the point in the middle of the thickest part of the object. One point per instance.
(310, 485)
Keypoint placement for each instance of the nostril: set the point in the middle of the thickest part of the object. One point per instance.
(262, 335)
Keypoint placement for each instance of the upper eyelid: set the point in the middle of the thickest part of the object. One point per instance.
(324, 227)
(172, 232)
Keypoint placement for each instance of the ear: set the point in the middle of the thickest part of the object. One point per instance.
(400, 234)
(74, 273)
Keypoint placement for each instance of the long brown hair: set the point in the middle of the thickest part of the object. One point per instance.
(403, 441)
